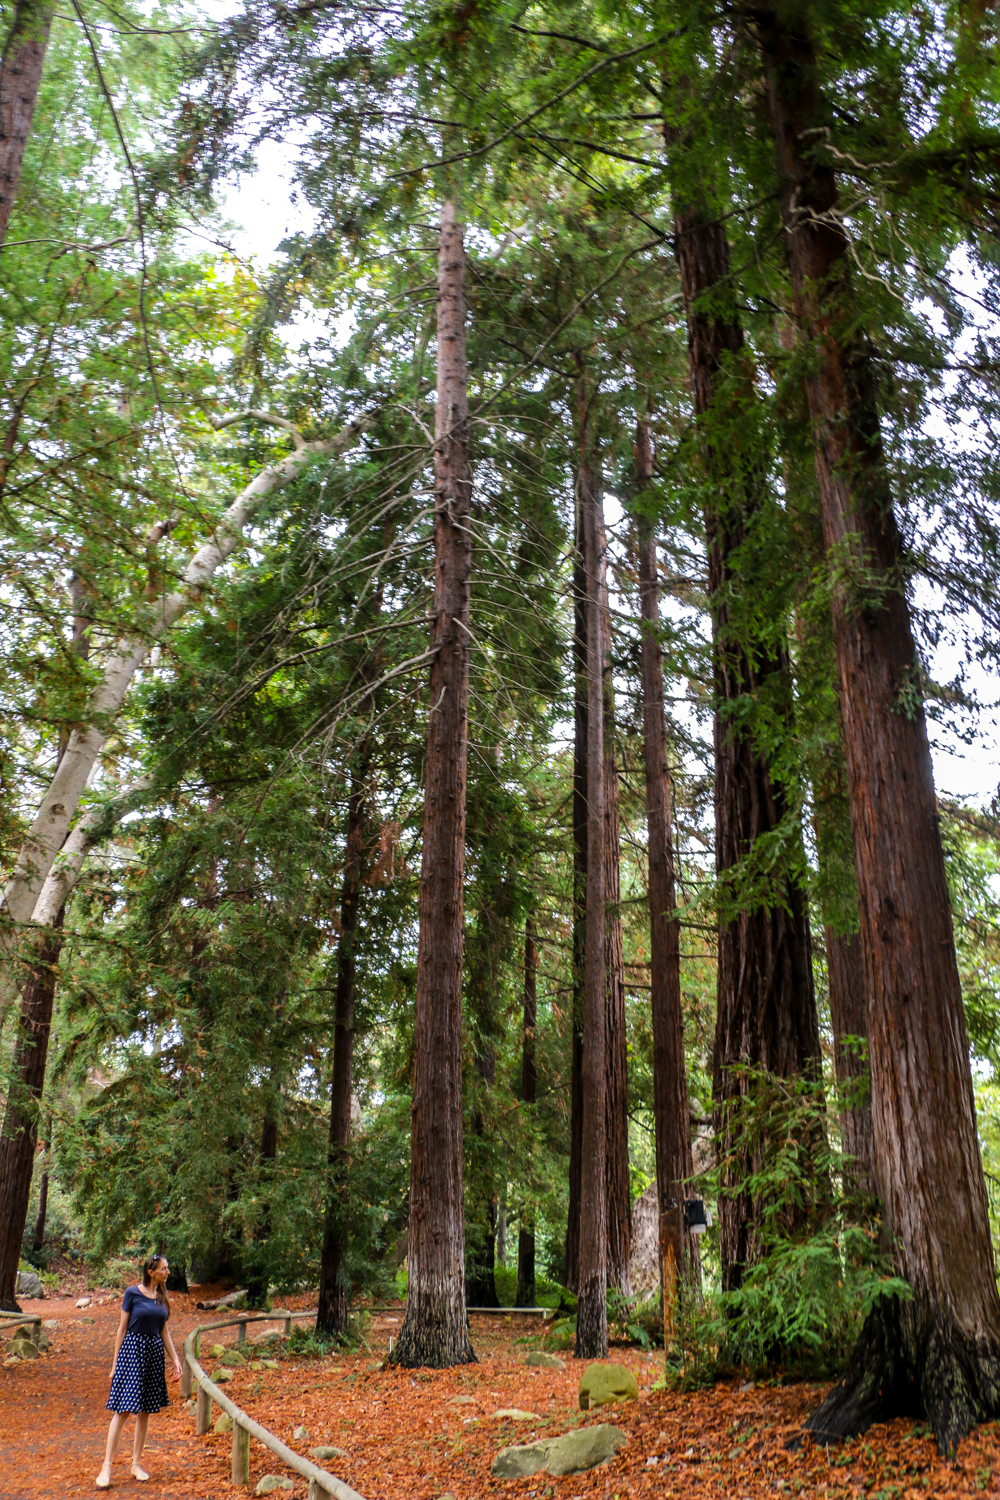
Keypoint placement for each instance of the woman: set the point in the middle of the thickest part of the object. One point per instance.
(137, 1378)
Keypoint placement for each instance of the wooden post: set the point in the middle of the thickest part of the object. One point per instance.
(288, 1326)
(197, 1345)
(241, 1334)
(240, 1470)
(316, 1491)
(203, 1412)
(185, 1378)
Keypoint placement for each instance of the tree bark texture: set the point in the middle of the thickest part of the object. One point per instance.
(848, 1018)
(38, 1238)
(435, 1327)
(619, 1194)
(766, 1014)
(591, 1314)
(572, 1269)
(480, 1285)
(937, 1355)
(680, 1262)
(525, 1296)
(20, 78)
(334, 1292)
(20, 1125)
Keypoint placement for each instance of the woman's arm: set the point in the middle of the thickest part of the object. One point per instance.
(122, 1329)
(173, 1352)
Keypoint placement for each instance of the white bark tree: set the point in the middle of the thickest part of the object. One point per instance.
(54, 818)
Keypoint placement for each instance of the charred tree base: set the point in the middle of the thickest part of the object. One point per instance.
(592, 1320)
(911, 1361)
(434, 1335)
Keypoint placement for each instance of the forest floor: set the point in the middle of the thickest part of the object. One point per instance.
(430, 1434)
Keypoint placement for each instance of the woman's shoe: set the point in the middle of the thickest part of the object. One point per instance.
(139, 1474)
(102, 1484)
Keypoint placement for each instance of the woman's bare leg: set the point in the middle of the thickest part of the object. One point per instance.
(114, 1434)
(141, 1423)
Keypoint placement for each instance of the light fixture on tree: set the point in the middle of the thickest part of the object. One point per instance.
(697, 1217)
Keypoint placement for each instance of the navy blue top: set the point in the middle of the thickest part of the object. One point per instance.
(147, 1316)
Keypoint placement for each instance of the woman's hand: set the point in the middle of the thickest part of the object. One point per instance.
(177, 1369)
(112, 1375)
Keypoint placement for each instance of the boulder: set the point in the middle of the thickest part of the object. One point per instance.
(271, 1364)
(570, 1454)
(603, 1384)
(218, 1350)
(271, 1482)
(51, 1323)
(256, 1364)
(85, 1320)
(515, 1414)
(223, 1423)
(301, 1434)
(23, 1348)
(644, 1265)
(29, 1284)
(544, 1361)
(221, 1376)
(83, 1302)
(234, 1359)
(462, 1401)
(325, 1454)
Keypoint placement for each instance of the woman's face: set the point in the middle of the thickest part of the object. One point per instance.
(160, 1272)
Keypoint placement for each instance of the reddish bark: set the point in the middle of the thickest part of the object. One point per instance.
(848, 1018)
(20, 78)
(937, 1354)
(591, 1315)
(434, 1330)
(20, 1125)
(572, 1270)
(766, 1013)
(679, 1259)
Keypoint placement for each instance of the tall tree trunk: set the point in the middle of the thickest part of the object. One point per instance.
(591, 1314)
(679, 1259)
(619, 1195)
(20, 77)
(334, 1293)
(572, 1269)
(38, 1238)
(435, 1327)
(529, 1080)
(938, 1354)
(845, 970)
(766, 1014)
(480, 1286)
(20, 1124)
(257, 1280)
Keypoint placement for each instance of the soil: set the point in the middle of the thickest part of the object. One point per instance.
(433, 1433)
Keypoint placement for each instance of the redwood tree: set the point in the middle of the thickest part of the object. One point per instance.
(435, 1327)
(679, 1260)
(529, 1078)
(766, 1012)
(20, 77)
(938, 1353)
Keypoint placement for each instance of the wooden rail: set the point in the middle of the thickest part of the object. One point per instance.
(16, 1320)
(322, 1486)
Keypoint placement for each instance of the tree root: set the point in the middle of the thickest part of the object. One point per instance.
(911, 1361)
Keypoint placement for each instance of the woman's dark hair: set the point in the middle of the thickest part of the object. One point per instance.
(148, 1266)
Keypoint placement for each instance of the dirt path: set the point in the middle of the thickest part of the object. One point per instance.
(53, 1424)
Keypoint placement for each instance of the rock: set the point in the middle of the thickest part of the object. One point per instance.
(301, 1434)
(601, 1384)
(463, 1401)
(29, 1284)
(256, 1364)
(190, 1405)
(544, 1361)
(570, 1454)
(83, 1302)
(23, 1348)
(10, 1361)
(43, 1341)
(51, 1323)
(221, 1376)
(325, 1454)
(234, 1359)
(85, 1320)
(218, 1350)
(271, 1482)
(271, 1364)
(514, 1414)
(223, 1423)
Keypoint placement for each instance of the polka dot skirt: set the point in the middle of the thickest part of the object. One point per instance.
(139, 1383)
